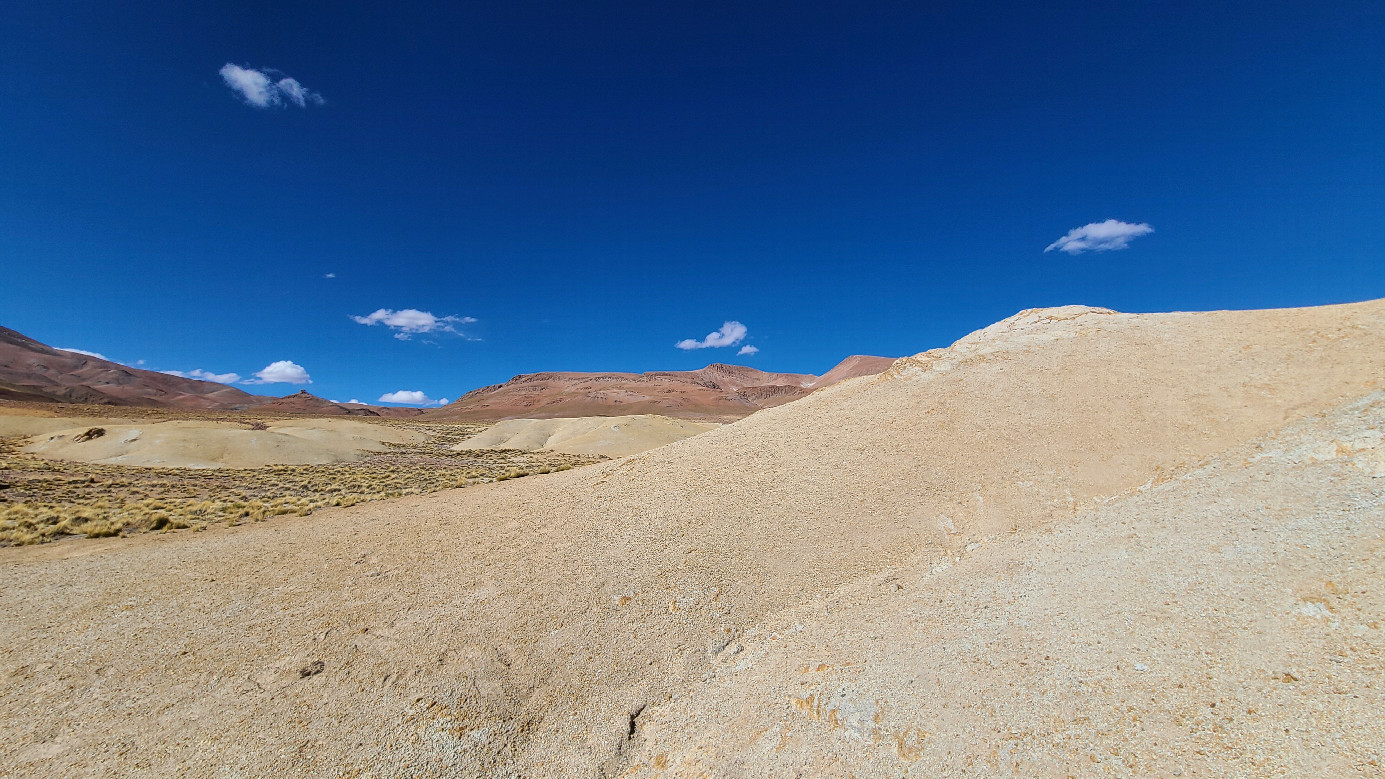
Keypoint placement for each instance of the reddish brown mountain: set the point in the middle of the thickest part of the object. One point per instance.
(853, 366)
(721, 392)
(303, 402)
(30, 370)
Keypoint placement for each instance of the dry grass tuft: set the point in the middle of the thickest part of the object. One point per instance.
(41, 500)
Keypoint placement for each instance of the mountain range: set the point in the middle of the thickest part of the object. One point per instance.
(35, 372)
(719, 392)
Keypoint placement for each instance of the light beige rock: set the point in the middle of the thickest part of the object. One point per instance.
(587, 623)
(610, 436)
(1227, 622)
(206, 444)
(22, 422)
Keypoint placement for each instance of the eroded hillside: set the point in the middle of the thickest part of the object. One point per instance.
(591, 622)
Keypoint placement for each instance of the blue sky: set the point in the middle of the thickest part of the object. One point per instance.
(584, 186)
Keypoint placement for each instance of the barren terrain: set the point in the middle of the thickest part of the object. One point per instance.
(1077, 542)
(717, 393)
(608, 436)
(98, 477)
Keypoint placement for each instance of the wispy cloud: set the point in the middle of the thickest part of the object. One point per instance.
(412, 398)
(87, 353)
(730, 334)
(748, 350)
(281, 372)
(267, 87)
(329, 275)
(198, 373)
(1100, 237)
(407, 322)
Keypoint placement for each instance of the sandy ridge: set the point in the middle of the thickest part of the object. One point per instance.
(207, 444)
(1225, 622)
(610, 436)
(517, 628)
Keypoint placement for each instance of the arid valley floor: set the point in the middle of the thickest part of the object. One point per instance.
(1075, 543)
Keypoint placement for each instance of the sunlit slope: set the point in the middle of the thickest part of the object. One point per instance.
(1023, 422)
(522, 627)
(610, 436)
(1224, 623)
(210, 444)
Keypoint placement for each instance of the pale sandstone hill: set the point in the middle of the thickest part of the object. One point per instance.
(609, 436)
(1224, 623)
(211, 444)
(573, 624)
(718, 393)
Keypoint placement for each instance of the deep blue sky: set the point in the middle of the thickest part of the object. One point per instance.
(594, 184)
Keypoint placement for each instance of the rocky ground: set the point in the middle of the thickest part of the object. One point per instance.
(1224, 623)
(1075, 543)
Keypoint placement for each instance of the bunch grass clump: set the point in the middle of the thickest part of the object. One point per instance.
(42, 500)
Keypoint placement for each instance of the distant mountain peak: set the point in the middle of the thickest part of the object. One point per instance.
(720, 391)
(33, 371)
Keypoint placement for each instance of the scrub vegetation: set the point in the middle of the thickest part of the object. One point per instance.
(42, 500)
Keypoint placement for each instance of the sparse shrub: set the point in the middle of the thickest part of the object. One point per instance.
(49, 499)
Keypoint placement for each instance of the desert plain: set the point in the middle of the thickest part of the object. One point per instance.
(1075, 543)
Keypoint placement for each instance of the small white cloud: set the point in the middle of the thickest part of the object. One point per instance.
(297, 94)
(259, 87)
(1100, 237)
(748, 350)
(356, 402)
(329, 275)
(407, 322)
(87, 353)
(281, 372)
(730, 334)
(219, 378)
(198, 373)
(412, 398)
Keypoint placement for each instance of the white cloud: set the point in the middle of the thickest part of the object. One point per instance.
(748, 350)
(356, 402)
(260, 89)
(1100, 237)
(198, 373)
(329, 275)
(409, 321)
(730, 334)
(281, 372)
(297, 93)
(412, 398)
(87, 353)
